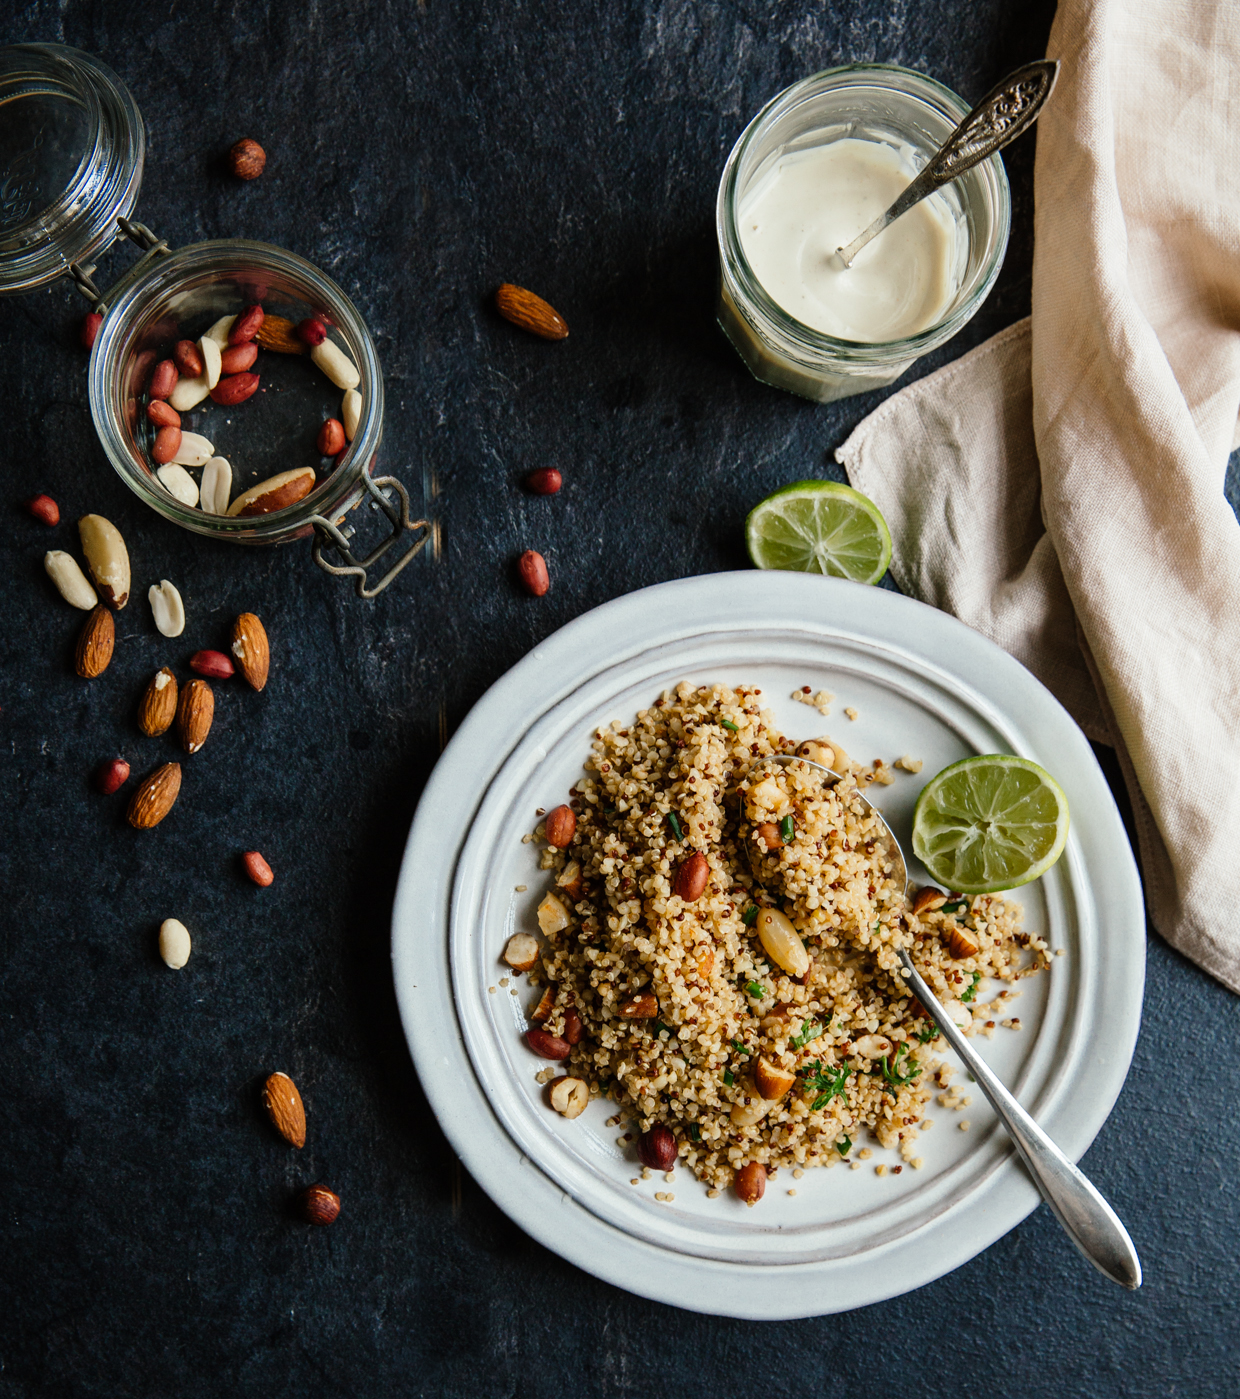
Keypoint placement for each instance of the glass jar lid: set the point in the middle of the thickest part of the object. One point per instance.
(72, 146)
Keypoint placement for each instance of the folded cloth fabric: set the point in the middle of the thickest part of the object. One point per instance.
(1061, 487)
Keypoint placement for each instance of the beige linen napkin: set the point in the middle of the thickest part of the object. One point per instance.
(1105, 557)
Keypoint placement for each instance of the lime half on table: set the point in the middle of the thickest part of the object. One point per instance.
(820, 527)
(990, 823)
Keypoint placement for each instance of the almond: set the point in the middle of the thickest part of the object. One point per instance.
(691, 876)
(155, 797)
(250, 650)
(94, 647)
(961, 943)
(929, 900)
(158, 705)
(278, 334)
(195, 711)
(275, 493)
(530, 312)
(284, 1108)
(521, 952)
(643, 1007)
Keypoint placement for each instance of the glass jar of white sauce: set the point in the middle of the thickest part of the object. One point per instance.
(817, 164)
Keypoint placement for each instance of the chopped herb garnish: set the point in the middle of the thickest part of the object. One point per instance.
(844, 1145)
(928, 1034)
(750, 915)
(972, 991)
(739, 1046)
(695, 1131)
(890, 1071)
(674, 822)
(811, 1030)
(787, 829)
(728, 724)
(956, 907)
(755, 989)
(826, 1083)
(729, 1077)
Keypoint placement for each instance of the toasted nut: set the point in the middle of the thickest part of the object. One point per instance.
(212, 361)
(331, 438)
(753, 1107)
(560, 826)
(351, 412)
(112, 776)
(195, 712)
(91, 322)
(521, 952)
(543, 1008)
(166, 445)
(547, 1046)
(311, 332)
(772, 1081)
(275, 493)
(179, 484)
(929, 900)
(238, 358)
(338, 367)
(107, 558)
(961, 943)
(705, 961)
(573, 1028)
(155, 797)
(769, 834)
(750, 1182)
(569, 1096)
(691, 876)
(188, 359)
(236, 388)
(284, 1108)
(189, 393)
(278, 334)
(162, 414)
(569, 879)
(246, 326)
(256, 867)
(872, 1046)
(552, 915)
(656, 1149)
(70, 581)
(174, 943)
(216, 489)
(158, 705)
(316, 1203)
(163, 379)
(782, 942)
(213, 664)
(545, 481)
(643, 1007)
(247, 159)
(219, 332)
(250, 650)
(167, 608)
(817, 750)
(44, 509)
(530, 312)
(94, 647)
(532, 571)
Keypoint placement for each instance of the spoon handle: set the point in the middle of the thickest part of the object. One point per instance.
(1091, 1224)
(1000, 117)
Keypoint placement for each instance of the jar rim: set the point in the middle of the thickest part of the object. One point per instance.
(145, 286)
(794, 335)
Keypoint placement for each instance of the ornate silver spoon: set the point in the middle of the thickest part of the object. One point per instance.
(998, 118)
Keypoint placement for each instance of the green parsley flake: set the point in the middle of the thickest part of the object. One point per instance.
(844, 1145)
(755, 989)
(968, 995)
(825, 1083)
(750, 915)
(811, 1030)
(787, 829)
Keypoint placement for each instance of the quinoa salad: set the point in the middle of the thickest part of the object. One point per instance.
(717, 951)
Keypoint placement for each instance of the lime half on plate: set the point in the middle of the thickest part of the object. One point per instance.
(820, 527)
(989, 823)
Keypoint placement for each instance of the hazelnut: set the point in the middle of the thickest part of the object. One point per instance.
(569, 1096)
(772, 1081)
(560, 826)
(691, 876)
(247, 159)
(769, 833)
(318, 1205)
(929, 900)
(543, 1008)
(521, 952)
(657, 1149)
(546, 1045)
(750, 1182)
(573, 1028)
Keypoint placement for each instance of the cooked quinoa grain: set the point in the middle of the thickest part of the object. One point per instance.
(691, 1011)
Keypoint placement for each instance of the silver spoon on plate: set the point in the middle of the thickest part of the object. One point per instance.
(1091, 1224)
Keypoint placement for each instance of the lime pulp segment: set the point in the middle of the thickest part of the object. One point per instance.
(820, 527)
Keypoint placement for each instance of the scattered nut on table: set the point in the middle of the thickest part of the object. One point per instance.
(285, 1109)
(167, 608)
(251, 650)
(174, 943)
(155, 797)
(319, 1205)
(215, 665)
(95, 644)
(71, 583)
(112, 776)
(247, 159)
(44, 509)
(158, 706)
(257, 868)
(195, 713)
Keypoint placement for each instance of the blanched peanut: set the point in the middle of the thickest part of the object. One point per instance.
(338, 367)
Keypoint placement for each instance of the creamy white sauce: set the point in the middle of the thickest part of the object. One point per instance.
(811, 202)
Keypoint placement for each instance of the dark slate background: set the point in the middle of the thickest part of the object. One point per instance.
(420, 154)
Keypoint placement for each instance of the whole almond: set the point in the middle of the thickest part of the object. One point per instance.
(284, 1108)
(530, 312)
(691, 876)
(188, 359)
(155, 797)
(280, 334)
(167, 444)
(164, 379)
(319, 1205)
(238, 358)
(94, 647)
(275, 493)
(250, 650)
(111, 776)
(162, 414)
(195, 711)
(532, 570)
(107, 558)
(246, 326)
(236, 388)
(560, 826)
(44, 509)
(158, 706)
(212, 663)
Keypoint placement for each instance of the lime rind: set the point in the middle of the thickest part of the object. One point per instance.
(989, 823)
(820, 527)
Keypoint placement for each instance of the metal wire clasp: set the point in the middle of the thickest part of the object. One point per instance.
(83, 277)
(329, 535)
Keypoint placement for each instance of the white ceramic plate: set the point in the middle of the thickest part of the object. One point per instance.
(922, 684)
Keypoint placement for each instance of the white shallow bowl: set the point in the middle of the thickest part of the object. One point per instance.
(922, 684)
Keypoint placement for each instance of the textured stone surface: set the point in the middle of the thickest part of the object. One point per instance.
(420, 154)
